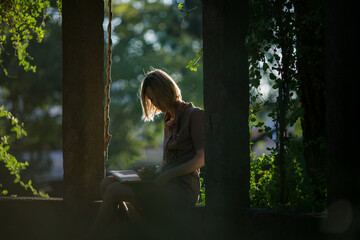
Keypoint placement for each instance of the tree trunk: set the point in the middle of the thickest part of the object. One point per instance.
(83, 110)
(310, 62)
(342, 61)
(226, 103)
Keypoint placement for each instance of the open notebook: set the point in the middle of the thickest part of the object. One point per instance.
(125, 175)
(131, 176)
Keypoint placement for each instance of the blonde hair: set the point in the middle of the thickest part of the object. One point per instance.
(164, 89)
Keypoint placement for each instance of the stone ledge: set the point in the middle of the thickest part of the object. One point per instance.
(45, 218)
(5, 198)
(36, 218)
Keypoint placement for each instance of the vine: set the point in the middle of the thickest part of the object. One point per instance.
(9, 160)
(20, 22)
(278, 179)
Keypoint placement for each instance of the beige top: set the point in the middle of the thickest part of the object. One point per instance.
(183, 135)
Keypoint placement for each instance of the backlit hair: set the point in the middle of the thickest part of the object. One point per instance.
(164, 89)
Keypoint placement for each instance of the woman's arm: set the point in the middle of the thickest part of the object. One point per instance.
(195, 163)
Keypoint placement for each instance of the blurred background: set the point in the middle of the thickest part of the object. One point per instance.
(145, 34)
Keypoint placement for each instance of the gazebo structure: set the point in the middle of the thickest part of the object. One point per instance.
(226, 101)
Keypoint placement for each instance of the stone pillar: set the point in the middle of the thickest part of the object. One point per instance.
(342, 62)
(83, 114)
(226, 103)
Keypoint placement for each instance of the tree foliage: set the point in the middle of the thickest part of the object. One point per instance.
(9, 160)
(21, 23)
(145, 34)
(154, 34)
(278, 179)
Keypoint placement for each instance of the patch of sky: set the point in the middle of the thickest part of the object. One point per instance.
(196, 46)
(150, 37)
(139, 78)
(133, 83)
(177, 76)
(120, 1)
(55, 15)
(157, 46)
(55, 111)
(138, 28)
(167, 48)
(116, 58)
(168, 2)
(118, 85)
(266, 84)
(139, 5)
(135, 47)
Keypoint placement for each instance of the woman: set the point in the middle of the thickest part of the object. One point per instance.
(176, 188)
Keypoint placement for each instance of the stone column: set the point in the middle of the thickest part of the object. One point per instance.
(342, 61)
(83, 114)
(226, 103)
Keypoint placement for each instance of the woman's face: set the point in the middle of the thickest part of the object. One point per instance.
(155, 101)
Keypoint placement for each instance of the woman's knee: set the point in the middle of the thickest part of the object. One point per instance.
(105, 183)
(117, 191)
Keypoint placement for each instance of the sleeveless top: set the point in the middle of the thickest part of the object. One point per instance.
(183, 135)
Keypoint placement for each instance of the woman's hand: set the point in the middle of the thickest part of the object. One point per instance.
(190, 166)
(162, 179)
(146, 174)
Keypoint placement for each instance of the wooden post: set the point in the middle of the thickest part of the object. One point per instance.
(341, 66)
(83, 114)
(226, 103)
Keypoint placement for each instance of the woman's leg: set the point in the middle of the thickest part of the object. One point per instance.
(105, 183)
(115, 193)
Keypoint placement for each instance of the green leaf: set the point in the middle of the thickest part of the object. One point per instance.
(265, 67)
(259, 124)
(272, 76)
